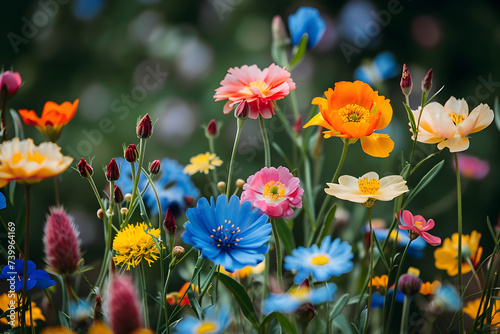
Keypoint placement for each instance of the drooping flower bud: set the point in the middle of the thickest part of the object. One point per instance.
(169, 222)
(154, 167)
(124, 311)
(240, 183)
(145, 127)
(406, 83)
(297, 126)
(112, 172)
(221, 185)
(211, 130)
(61, 244)
(278, 29)
(118, 195)
(410, 283)
(427, 82)
(178, 252)
(9, 83)
(84, 168)
(131, 153)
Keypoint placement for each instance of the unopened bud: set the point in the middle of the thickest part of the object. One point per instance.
(100, 214)
(123, 211)
(154, 167)
(84, 168)
(189, 201)
(131, 153)
(211, 130)
(178, 252)
(221, 185)
(427, 82)
(406, 83)
(278, 28)
(112, 172)
(240, 183)
(169, 222)
(297, 127)
(9, 83)
(145, 127)
(242, 110)
(98, 308)
(409, 285)
(118, 195)
(128, 197)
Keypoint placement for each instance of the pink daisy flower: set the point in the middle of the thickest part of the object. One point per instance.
(472, 167)
(274, 191)
(254, 90)
(417, 226)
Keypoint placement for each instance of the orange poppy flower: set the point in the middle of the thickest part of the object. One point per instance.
(54, 118)
(355, 110)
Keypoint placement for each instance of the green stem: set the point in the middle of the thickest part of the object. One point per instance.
(26, 256)
(370, 292)
(459, 204)
(136, 176)
(424, 102)
(279, 256)
(56, 189)
(144, 295)
(328, 322)
(214, 171)
(267, 151)
(3, 101)
(231, 162)
(405, 314)
(164, 299)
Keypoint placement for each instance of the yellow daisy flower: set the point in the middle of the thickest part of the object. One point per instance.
(202, 163)
(446, 256)
(4, 305)
(472, 307)
(135, 243)
(429, 288)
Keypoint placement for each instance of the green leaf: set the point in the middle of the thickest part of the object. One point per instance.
(241, 297)
(18, 124)
(286, 236)
(341, 323)
(299, 52)
(424, 182)
(263, 328)
(339, 306)
(433, 96)
(330, 217)
(282, 154)
(411, 117)
(287, 326)
(405, 171)
(496, 108)
(195, 306)
(380, 251)
(424, 160)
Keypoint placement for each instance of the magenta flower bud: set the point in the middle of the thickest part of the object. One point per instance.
(427, 82)
(84, 168)
(280, 36)
(131, 153)
(211, 130)
(169, 222)
(124, 311)
(154, 167)
(297, 127)
(409, 284)
(98, 308)
(306, 312)
(61, 244)
(242, 110)
(9, 83)
(145, 127)
(118, 195)
(406, 83)
(112, 172)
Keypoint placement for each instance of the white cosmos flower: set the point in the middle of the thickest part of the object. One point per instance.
(367, 188)
(449, 125)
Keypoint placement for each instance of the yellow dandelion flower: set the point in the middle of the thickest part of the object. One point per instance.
(135, 243)
(5, 303)
(202, 163)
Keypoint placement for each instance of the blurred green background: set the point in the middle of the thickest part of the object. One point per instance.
(165, 58)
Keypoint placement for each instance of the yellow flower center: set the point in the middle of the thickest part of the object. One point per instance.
(300, 293)
(274, 190)
(206, 328)
(35, 157)
(457, 119)
(320, 260)
(261, 86)
(354, 113)
(419, 225)
(368, 187)
(394, 235)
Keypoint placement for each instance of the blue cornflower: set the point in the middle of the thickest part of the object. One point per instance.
(213, 324)
(383, 67)
(298, 296)
(417, 246)
(172, 186)
(306, 21)
(3, 202)
(331, 259)
(229, 234)
(36, 277)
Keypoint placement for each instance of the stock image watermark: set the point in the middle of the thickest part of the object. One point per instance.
(11, 256)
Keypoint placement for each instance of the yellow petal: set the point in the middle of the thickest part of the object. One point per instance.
(377, 145)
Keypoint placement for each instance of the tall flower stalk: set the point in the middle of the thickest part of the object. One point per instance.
(459, 227)
(239, 125)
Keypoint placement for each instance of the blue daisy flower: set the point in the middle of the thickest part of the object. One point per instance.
(383, 67)
(212, 324)
(3, 202)
(36, 277)
(297, 296)
(333, 258)
(229, 234)
(306, 21)
(417, 246)
(171, 184)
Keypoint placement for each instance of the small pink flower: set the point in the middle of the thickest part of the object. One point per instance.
(472, 167)
(255, 88)
(10, 81)
(124, 313)
(417, 226)
(62, 247)
(274, 191)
